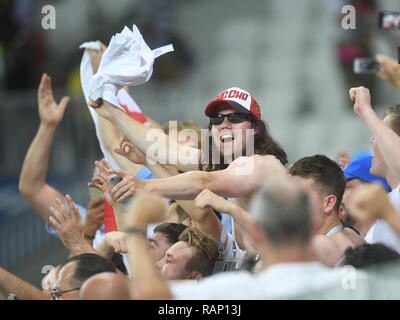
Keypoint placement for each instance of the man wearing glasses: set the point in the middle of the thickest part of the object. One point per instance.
(73, 273)
(62, 282)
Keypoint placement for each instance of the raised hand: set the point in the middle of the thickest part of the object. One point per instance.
(68, 222)
(361, 98)
(129, 151)
(123, 190)
(391, 70)
(94, 216)
(126, 188)
(49, 111)
(101, 181)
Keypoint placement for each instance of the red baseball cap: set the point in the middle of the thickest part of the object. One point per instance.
(238, 99)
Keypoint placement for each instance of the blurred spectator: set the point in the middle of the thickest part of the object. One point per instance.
(357, 173)
(75, 271)
(324, 180)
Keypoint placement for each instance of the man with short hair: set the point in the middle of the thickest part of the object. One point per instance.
(62, 282)
(164, 236)
(75, 271)
(324, 180)
(191, 258)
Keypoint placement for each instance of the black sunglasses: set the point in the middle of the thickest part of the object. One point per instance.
(235, 117)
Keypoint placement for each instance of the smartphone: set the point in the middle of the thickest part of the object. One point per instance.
(389, 20)
(114, 180)
(366, 66)
(95, 193)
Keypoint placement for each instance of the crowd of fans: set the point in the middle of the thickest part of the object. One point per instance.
(217, 213)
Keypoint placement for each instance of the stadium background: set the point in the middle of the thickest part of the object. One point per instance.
(289, 54)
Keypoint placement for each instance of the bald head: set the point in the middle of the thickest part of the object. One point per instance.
(105, 286)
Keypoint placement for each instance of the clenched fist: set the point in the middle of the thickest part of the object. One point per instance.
(361, 98)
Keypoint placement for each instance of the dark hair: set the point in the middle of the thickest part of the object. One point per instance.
(325, 172)
(172, 231)
(368, 255)
(263, 144)
(118, 261)
(87, 265)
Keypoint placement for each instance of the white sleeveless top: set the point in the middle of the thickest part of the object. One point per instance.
(381, 232)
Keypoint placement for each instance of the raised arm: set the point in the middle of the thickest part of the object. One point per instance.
(109, 134)
(9, 283)
(146, 281)
(146, 139)
(387, 140)
(243, 176)
(111, 137)
(32, 184)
